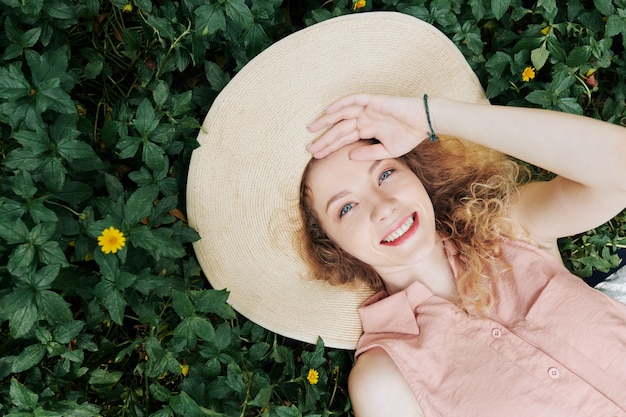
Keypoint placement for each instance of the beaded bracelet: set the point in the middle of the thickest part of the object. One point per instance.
(431, 135)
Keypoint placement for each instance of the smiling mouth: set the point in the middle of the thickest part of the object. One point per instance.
(400, 231)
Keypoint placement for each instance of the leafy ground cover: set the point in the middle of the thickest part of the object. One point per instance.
(103, 307)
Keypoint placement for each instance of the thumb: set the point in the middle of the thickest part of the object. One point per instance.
(372, 152)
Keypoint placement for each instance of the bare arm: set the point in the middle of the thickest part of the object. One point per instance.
(588, 155)
(377, 388)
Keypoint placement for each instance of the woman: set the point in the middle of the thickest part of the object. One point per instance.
(431, 342)
(367, 201)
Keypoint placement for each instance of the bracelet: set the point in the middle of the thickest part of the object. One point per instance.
(431, 135)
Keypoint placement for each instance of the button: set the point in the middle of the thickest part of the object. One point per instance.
(496, 333)
(554, 373)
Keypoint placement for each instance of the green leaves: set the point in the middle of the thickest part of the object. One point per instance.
(100, 104)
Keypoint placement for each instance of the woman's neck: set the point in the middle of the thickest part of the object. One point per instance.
(434, 271)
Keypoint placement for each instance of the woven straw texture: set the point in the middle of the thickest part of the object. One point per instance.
(244, 179)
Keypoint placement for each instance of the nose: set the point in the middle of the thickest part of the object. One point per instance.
(382, 207)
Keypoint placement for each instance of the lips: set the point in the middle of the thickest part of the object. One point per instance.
(406, 229)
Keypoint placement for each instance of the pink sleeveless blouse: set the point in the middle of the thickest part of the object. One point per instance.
(551, 346)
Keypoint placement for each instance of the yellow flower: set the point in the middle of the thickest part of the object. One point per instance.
(184, 369)
(313, 377)
(111, 240)
(358, 4)
(546, 30)
(528, 74)
(128, 8)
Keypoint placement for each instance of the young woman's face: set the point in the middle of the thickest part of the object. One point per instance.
(378, 211)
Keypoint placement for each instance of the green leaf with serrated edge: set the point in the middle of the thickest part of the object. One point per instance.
(23, 159)
(478, 9)
(40, 213)
(291, 411)
(109, 265)
(23, 184)
(203, 328)
(36, 141)
(142, 177)
(42, 233)
(153, 156)
(16, 232)
(210, 19)
(615, 25)
(181, 103)
(214, 301)
(604, 6)
(112, 300)
(74, 193)
(50, 253)
(185, 330)
(13, 84)
(145, 119)
(182, 304)
(186, 406)
(22, 397)
(139, 205)
(43, 335)
(550, 8)
(160, 93)
(53, 307)
(43, 278)
(14, 300)
(49, 95)
(541, 97)
(162, 26)
(159, 392)
(10, 212)
(128, 146)
(222, 337)
(28, 358)
(65, 332)
(22, 260)
(142, 237)
(215, 75)
(539, 56)
(23, 319)
(167, 246)
(114, 186)
(569, 105)
(578, 56)
(104, 377)
(53, 173)
(499, 7)
(51, 65)
(71, 149)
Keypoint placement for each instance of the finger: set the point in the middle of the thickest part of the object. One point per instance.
(359, 99)
(335, 133)
(338, 143)
(329, 119)
(370, 153)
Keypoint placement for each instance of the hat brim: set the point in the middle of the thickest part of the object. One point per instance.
(244, 179)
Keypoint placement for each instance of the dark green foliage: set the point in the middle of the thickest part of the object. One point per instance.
(100, 104)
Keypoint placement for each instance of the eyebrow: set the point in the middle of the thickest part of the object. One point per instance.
(343, 193)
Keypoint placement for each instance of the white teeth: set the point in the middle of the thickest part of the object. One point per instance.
(400, 231)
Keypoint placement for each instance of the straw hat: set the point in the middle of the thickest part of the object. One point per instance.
(244, 179)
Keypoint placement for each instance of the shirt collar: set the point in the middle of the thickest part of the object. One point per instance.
(383, 313)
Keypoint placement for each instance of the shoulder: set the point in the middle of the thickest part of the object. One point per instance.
(377, 387)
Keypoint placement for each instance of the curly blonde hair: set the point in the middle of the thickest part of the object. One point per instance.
(470, 187)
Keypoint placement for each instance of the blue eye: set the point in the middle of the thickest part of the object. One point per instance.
(385, 175)
(345, 209)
